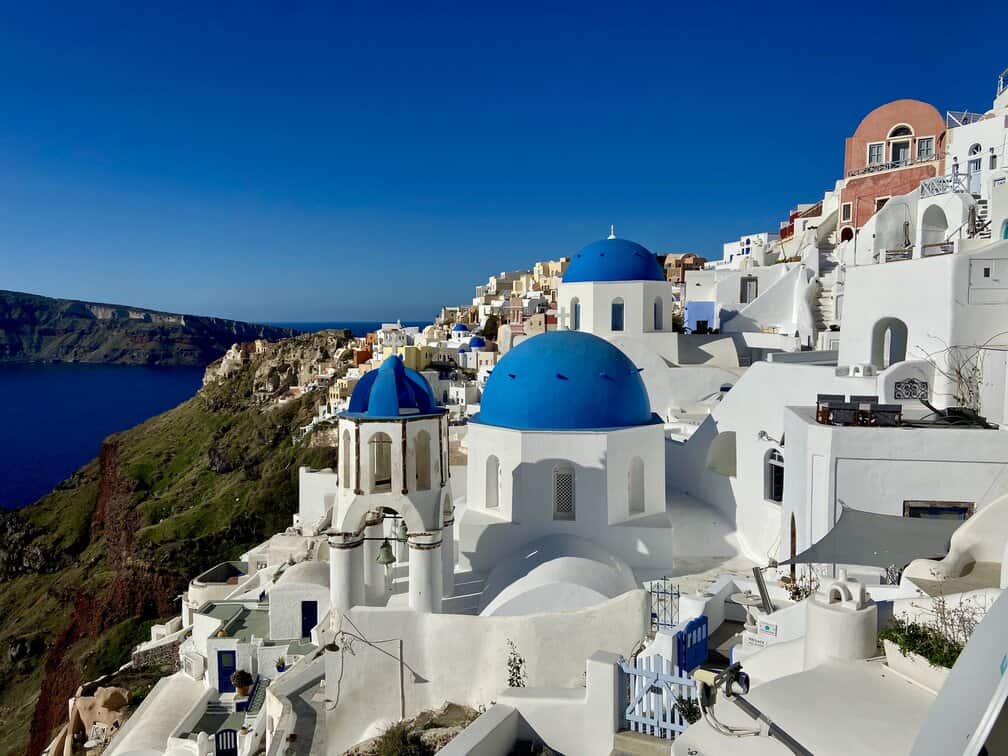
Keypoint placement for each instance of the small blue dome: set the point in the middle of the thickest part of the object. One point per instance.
(460, 327)
(477, 342)
(464, 348)
(392, 391)
(565, 380)
(613, 260)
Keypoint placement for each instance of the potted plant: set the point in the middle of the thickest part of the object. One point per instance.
(242, 682)
(281, 664)
(919, 652)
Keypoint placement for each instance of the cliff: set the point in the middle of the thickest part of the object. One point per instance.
(41, 329)
(85, 570)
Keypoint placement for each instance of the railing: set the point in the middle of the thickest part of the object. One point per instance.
(955, 118)
(953, 182)
(877, 167)
(652, 689)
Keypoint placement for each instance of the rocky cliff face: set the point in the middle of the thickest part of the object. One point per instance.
(41, 329)
(85, 570)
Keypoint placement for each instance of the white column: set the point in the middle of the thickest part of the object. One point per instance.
(374, 573)
(425, 572)
(448, 553)
(346, 570)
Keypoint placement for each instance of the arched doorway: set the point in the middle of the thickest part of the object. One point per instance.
(934, 230)
(889, 342)
(575, 309)
(423, 461)
(846, 234)
(380, 467)
(616, 323)
(658, 314)
(344, 452)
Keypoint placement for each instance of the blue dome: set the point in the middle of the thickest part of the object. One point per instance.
(477, 342)
(460, 327)
(392, 391)
(565, 380)
(613, 260)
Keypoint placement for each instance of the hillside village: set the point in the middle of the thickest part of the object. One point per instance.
(621, 490)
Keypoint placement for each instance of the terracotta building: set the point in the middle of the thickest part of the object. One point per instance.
(894, 148)
(676, 265)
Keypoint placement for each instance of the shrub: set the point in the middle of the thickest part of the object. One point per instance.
(241, 679)
(516, 666)
(922, 639)
(689, 708)
(397, 740)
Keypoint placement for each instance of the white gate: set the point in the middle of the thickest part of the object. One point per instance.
(651, 687)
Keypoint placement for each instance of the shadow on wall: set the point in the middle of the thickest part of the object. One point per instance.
(686, 472)
(701, 349)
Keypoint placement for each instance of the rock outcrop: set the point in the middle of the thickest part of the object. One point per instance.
(40, 329)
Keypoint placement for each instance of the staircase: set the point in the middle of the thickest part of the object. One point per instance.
(825, 310)
(628, 743)
(982, 219)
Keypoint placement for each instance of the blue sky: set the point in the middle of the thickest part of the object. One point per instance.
(359, 161)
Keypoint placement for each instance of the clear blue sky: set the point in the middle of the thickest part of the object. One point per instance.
(324, 162)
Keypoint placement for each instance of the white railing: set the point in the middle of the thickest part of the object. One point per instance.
(953, 182)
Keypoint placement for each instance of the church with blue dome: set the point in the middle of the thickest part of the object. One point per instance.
(565, 444)
(615, 287)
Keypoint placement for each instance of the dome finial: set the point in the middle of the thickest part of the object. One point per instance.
(612, 231)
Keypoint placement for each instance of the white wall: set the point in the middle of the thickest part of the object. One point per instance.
(317, 490)
(285, 607)
(554, 648)
(596, 300)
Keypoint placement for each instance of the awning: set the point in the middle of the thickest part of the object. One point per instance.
(878, 540)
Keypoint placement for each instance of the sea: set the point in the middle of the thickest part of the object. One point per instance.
(357, 327)
(54, 416)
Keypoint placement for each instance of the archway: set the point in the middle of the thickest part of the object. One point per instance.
(380, 463)
(423, 461)
(344, 452)
(934, 230)
(575, 309)
(658, 314)
(846, 234)
(889, 342)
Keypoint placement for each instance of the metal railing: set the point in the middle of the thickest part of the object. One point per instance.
(953, 182)
(877, 167)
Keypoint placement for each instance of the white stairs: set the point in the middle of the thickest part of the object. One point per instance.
(982, 219)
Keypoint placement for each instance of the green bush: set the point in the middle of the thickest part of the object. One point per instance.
(926, 640)
(397, 740)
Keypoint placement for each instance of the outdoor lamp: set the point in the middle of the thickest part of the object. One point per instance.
(385, 555)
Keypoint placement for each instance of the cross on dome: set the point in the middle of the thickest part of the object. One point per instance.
(612, 231)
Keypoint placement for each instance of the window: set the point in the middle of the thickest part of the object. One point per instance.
(492, 483)
(925, 148)
(575, 314)
(344, 452)
(845, 211)
(876, 153)
(900, 131)
(773, 478)
(900, 152)
(563, 493)
(423, 461)
(748, 289)
(635, 486)
(974, 165)
(617, 314)
(381, 462)
(880, 203)
(993, 162)
(939, 510)
(658, 314)
(975, 149)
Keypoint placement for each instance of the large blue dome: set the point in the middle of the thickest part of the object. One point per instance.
(565, 380)
(613, 259)
(392, 391)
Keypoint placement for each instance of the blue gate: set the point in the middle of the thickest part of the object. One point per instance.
(691, 643)
(651, 689)
(664, 604)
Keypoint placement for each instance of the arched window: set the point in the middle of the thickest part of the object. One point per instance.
(617, 314)
(492, 482)
(344, 452)
(423, 460)
(635, 486)
(575, 309)
(889, 342)
(900, 131)
(380, 446)
(563, 493)
(976, 161)
(773, 476)
(658, 325)
(975, 149)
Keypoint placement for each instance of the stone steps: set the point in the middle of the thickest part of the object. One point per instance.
(628, 743)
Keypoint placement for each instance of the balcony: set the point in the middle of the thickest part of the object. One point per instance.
(960, 183)
(894, 164)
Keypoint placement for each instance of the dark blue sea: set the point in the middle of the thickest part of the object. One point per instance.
(53, 417)
(357, 327)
